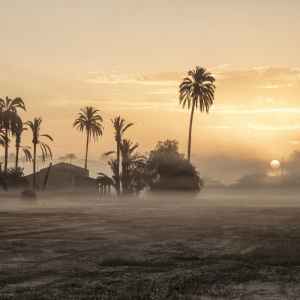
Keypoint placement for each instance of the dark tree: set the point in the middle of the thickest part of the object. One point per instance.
(129, 161)
(141, 178)
(113, 166)
(120, 128)
(17, 131)
(8, 119)
(35, 127)
(15, 177)
(89, 122)
(173, 173)
(196, 90)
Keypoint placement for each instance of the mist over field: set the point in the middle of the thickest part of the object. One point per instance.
(223, 243)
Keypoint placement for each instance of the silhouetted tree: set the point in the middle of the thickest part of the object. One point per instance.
(141, 177)
(15, 177)
(172, 171)
(69, 157)
(209, 181)
(113, 166)
(256, 180)
(129, 160)
(89, 122)
(105, 180)
(120, 128)
(197, 89)
(17, 132)
(35, 127)
(8, 119)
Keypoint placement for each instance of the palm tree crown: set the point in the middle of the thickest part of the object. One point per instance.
(89, 122)
(197, 89)
(8, 118)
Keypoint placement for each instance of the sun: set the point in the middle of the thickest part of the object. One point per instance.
(275, 164)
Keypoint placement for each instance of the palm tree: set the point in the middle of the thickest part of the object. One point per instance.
(89, 121)
(17, 132)
(129, 160)
(8, 117)
(197, 89)
(113, 166)
(35, 126)
(120, 128)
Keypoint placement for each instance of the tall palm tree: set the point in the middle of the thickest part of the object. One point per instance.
(89, 122)
(8, 117)
(35, 127)
(17, 132)
(197, 89)
(120, 128)
(129, 160)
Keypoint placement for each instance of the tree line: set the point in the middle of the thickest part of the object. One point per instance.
(164, 170)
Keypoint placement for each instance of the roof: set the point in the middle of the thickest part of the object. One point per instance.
(69, 168)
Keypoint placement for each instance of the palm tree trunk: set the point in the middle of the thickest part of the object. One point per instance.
(125, 178)
(34, 161)
(6, 150)
(118, 169)
(190, 131)
(86, 152)
(17, 155)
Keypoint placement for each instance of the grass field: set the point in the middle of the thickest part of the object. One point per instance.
(75, 248)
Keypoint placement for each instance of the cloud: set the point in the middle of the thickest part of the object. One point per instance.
(270, 87)
(265, 78)
(143, 104)
(163, 91)
(252, 87)
(159, 78)
(221, 110)
(249, 91)
(273, 127)
(294, 142)
(218, 127)
(272, 74)
(61, 103)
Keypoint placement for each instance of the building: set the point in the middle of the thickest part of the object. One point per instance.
(64, 176)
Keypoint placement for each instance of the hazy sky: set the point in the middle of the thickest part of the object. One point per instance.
(128, 58)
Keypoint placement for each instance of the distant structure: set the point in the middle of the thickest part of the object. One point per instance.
(105, 184)
(64, 176)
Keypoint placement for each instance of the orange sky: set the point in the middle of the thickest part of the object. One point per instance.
(128, 58)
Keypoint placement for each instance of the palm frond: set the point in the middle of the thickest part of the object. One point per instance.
(197, 88)
(48, 136)
(109, 153)
(27, 153)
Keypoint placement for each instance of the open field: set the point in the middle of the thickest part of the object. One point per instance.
(95, 248)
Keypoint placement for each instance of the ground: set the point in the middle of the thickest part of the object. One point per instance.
(96, 248)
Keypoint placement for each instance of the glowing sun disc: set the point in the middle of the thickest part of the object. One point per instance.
(275, 164)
